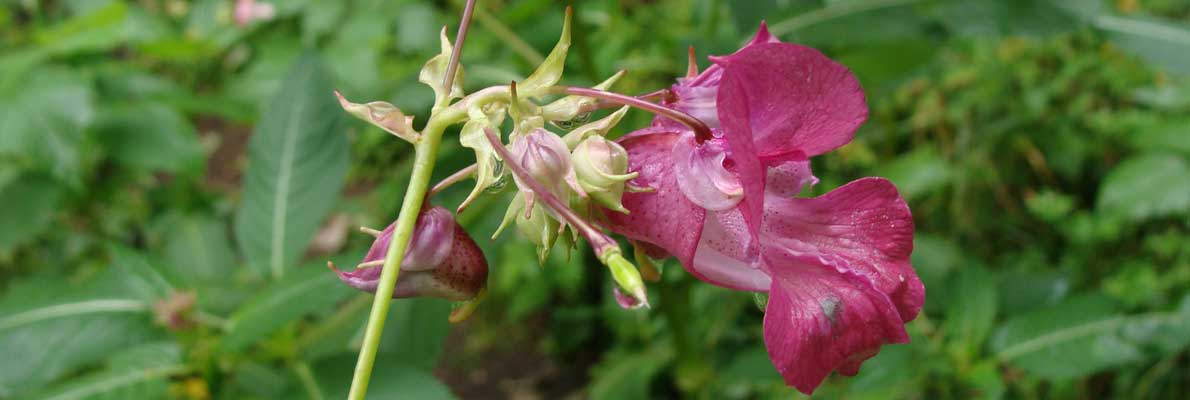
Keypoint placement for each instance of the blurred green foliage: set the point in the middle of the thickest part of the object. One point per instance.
(1044, 147)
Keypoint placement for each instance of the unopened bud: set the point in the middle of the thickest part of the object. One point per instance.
(546, 158)
(535, 225)
(440, 261)
(602, 169)
(630, 289)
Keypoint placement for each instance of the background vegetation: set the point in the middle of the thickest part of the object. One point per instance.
(146, 146)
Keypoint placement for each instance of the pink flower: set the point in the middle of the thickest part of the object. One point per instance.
(440, 261)
(836, 266)
(249, 11)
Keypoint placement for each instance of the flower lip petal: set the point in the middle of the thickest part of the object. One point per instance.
(787, 179)
(722, 258)
(863, 226)
(821, 319)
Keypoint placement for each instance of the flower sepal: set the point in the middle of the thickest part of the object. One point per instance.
(433, 72)
(550, 71)
(385, 116)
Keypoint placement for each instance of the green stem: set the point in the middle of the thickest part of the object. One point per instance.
(425, 153)
(306, 377)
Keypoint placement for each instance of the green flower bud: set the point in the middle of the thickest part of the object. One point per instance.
(630, 289)
(535, 225)
(602, 169)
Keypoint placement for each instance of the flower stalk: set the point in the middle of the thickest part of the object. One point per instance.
(701, 131)
(425, 154)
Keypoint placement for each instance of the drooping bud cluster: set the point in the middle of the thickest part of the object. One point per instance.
(562, 179)
(440, 261)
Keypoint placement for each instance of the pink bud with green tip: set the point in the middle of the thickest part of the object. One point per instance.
(441, 261)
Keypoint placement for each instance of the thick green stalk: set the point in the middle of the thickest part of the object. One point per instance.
(425, 154)
(426, 151)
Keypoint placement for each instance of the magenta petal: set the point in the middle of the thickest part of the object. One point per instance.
(789, 178)
(426, 248)
(663, 216)
(821, 319)
(762, 36)
(625, 301)
(793, 99)
(863, 226)
(748, 167)
(722, 257)
(702, 175)
(710, 77)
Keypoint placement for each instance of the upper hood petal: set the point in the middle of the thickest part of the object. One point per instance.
(792, 99)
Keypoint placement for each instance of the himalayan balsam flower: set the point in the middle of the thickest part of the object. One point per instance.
(836, 267)
(440, 261)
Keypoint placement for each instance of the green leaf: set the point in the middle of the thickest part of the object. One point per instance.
(1006, 17)
(1146, 186)
(1163, 42)
(139, 278)
(1022, 291)
(97, 30)
(892, 373)
(1085, 335)
(150, 136)
(197, 249)
(746, 14)
(141, 372)
(392, 381)
(297, 161)
(304, 291)
(1164, 135)
(43, 119)
(49, 328)
(919, 173)
(971, 311)
(415, 332)
(935, 258)
(628, 376)
(30, 203)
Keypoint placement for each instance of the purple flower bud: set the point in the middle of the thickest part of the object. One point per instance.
(440, 261)
(547, 159)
